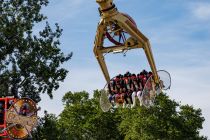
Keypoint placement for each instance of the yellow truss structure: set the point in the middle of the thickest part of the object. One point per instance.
(116, 23)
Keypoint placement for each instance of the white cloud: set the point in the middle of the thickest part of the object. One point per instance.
(201, 10)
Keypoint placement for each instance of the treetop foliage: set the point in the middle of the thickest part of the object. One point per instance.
(83, 119)
(30, 64)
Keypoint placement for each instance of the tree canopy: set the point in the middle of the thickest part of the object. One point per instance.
(83, 119)
(30, 63)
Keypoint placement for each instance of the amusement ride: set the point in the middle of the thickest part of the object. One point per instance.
(18, 116)
(122, 33)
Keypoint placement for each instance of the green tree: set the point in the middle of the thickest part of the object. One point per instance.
(82, 119)
(30, 63)
(166, 120)
(47, 128)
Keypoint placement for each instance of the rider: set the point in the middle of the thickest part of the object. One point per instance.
(143, 77)
(112, 90)
(11, 102)
(134, 88)
(141, 82)
(120, 96)
(128, 83)
(149, 74)
(144, 72)
(24, 109)
(150, 85)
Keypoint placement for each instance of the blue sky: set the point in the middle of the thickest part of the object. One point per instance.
(179, 32)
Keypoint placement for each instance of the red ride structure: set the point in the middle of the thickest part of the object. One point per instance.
(5, 103)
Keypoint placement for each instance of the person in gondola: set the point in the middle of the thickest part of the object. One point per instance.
(114, 87)
(24, 109)
(135, 87)
(112, 91)
(151, 85)
(11, 102)
(143, 78)
(149, 74)
(141, 82)
(120, 97)
(144, 72)
(127, 84)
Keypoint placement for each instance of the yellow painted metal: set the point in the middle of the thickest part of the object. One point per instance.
(110, 16)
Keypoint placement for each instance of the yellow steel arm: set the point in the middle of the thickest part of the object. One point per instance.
(118, 23)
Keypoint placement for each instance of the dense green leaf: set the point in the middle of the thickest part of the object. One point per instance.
(82, 119)
(30, 62)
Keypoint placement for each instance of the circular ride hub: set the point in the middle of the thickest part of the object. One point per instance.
(20, 118)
